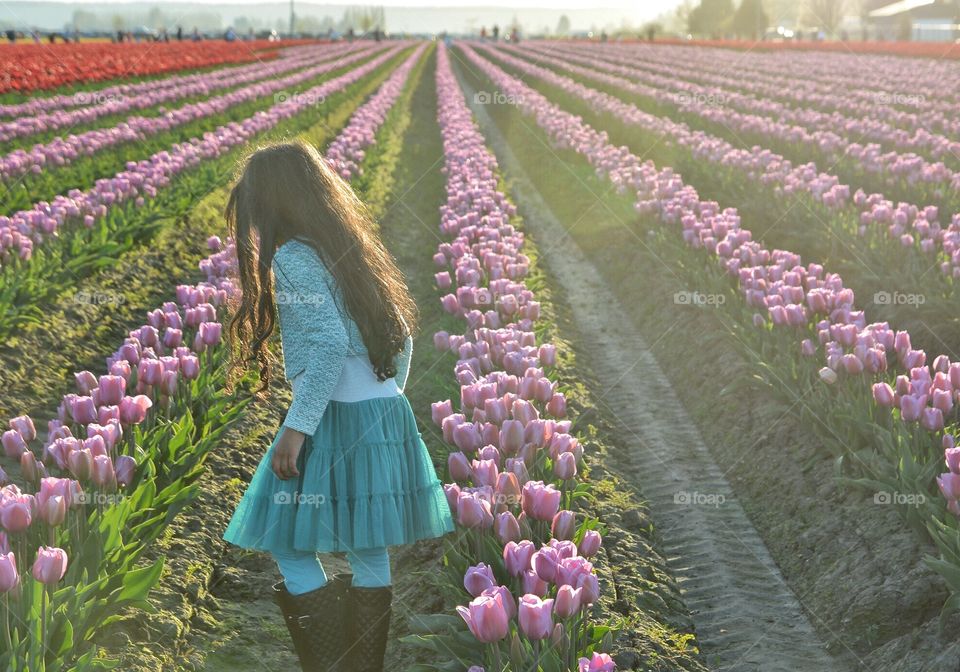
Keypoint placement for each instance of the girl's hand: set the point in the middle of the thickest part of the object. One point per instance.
(286, 452)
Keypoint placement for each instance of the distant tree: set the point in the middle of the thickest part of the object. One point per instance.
(711, 17)
(84, 20)
(651, 29)
(155, 18)
(563, 26)
(826, 14)
(750, 20)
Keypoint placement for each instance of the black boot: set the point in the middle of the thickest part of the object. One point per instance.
(316, 624)
(368, 623)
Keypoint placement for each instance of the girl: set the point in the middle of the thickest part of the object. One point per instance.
(348, 470)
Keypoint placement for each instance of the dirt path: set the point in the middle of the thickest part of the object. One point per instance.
(747, 618)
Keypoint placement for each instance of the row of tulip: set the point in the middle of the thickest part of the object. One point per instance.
(719, 86)
(908, 94)
(116, 464)
(119, 461)
(800, 48)
(347, 151)
(142, 180)
(834, 138)
(268, 80)
(29, 68)
(907, 224)
(520, 556)
(130, 94)
(802, 310)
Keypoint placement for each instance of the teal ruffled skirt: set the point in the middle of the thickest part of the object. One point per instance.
(366, 481)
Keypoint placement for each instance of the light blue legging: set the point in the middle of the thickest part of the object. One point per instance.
(302, 570)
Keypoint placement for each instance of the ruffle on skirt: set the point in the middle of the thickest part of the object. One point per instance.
(366, 481)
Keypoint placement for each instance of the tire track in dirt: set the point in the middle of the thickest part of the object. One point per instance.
(747, 618)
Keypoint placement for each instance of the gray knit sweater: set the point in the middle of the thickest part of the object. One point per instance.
(317, 333)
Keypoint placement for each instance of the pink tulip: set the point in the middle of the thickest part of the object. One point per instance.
(9, 578)
(539, 501)
(190, 367)
(86, 381)
(459, 466)
(517, 556)
(567, 601)
(911, 407)
(126, 468)
(533, 584)
(112, 389)
(883, 395)
(557, 406)
(472, 511)
(949, 485)
(598, 662)
(467, 437)
(24, 426)
(535, 617)
(565, 466)
(53, 511)
(932, 419)
(50, 565)
(486, 617)
(15, 514)
(13, 444)
(506, 527)
(133, 410)
(440, 410)
(564, 525)
(590, 543)
(952, 456)
(104, 475)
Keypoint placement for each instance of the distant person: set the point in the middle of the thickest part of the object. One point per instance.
(483, 33)
(230, 35)
(496, 32)
(196, 34)
(514, 36)
(350, 34)
(12, 36)
(179, 33)
(603, 36)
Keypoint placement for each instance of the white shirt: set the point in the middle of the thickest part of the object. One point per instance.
(358, 382)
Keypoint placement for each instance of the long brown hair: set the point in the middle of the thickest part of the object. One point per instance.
(289, 191)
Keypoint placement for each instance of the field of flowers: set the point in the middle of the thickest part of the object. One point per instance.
(810, 199)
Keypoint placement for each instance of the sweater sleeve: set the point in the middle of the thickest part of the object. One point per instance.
(315, 329)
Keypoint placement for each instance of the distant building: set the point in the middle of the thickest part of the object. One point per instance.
(917, 20)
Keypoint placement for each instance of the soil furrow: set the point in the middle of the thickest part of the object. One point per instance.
(747, 617)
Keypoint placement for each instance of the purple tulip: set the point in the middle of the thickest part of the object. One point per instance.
(478, 578)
